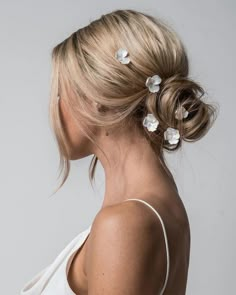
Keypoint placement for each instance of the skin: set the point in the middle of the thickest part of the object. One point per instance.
(125, 250)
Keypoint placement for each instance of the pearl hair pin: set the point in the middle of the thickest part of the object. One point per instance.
(153, 83)
(150, 122)
(181, 113)
(122, 56)
(172, 135)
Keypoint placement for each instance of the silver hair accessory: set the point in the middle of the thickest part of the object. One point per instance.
(122, 56)
(153, 83)
(181, 113)
(150, 122)
(172, 135)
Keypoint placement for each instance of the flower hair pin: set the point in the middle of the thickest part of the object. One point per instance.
(181, 113)
(153, 83)
(122, 56)
(172, 135)
(150, 122)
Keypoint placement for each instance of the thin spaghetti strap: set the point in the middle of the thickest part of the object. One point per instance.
(165, 237)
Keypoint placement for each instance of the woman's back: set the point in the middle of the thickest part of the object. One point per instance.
(175, 249)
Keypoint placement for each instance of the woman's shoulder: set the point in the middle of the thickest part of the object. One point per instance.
(126, 214)
(135, 212)
(121, 233)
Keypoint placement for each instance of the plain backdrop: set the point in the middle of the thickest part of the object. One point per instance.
(34, 227)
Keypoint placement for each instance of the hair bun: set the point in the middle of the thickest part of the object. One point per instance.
(176, 92)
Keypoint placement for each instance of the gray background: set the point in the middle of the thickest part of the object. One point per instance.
(35, 228)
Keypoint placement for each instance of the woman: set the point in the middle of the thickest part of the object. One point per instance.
(121, 92)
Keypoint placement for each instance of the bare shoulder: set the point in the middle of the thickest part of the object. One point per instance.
(126, 241)
(126, 215)
(127, 219)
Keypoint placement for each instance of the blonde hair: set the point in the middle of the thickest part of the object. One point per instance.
(85, 63)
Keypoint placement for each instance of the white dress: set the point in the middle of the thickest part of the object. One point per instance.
(52, 280)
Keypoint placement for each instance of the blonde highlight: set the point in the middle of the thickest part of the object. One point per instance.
(85, 63)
